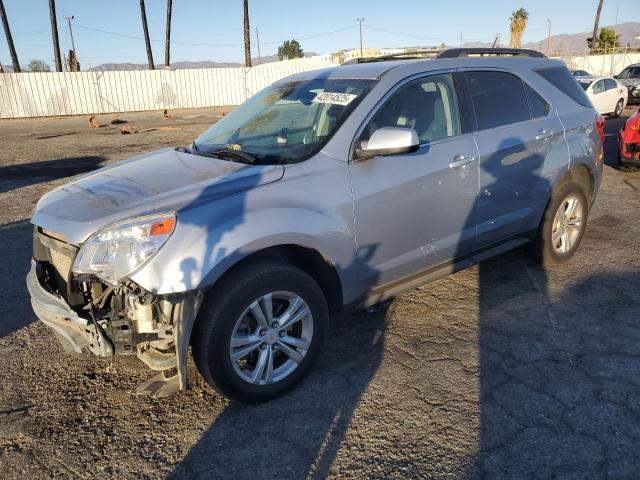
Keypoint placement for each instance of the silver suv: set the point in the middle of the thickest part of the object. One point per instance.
(328, 190)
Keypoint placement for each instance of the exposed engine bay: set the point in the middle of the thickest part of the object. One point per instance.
(112, 320)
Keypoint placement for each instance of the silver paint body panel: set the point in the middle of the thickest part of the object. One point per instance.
(380, 221)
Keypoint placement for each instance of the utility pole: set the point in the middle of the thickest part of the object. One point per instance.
(496, 41)
(247, 35)
(167, 40)
(258, 43)
(594, 37)
(54, 34)
(7, 32)
(74, 66)
(549, 38)
(460, 39)
(360, 20)
(145, 29)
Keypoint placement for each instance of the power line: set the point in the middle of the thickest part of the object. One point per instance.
(350, 27)
(408, 35)
(173, 42)
(198, 44)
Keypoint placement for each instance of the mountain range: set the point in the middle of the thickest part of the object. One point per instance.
(576, 42)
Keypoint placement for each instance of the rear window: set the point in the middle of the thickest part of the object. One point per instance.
(560, 78)
(610, 84)
(498, 98)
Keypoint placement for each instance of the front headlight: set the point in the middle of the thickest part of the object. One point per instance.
(118, 250)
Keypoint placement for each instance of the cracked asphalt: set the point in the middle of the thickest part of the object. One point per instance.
(504, 370)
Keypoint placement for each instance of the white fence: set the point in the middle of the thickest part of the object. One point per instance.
(79, 93)
(601, 64)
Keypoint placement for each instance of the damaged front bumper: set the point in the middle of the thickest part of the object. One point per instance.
(156, 329)
(76, 333)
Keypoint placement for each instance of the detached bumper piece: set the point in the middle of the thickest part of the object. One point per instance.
(77, 334)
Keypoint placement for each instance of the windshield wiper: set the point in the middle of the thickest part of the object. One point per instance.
(239, 155)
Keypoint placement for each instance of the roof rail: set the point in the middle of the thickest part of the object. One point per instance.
(413, 54)
(466, 52)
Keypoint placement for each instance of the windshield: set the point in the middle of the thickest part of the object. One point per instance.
(630, 72)
(584, 85)
(286, 122)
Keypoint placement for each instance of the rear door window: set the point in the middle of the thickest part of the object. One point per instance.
(560, 78)
(498, 98)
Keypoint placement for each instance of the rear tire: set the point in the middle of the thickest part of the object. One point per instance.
(562, 227)
(619, 109)
(231, 313)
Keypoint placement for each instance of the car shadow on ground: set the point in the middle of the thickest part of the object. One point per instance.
(15, 254)
(558, 383)
(23, 174)
(297, 435)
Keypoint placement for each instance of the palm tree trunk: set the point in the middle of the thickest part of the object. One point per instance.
(167, 45)
(247, 35)
(7, 32)
(147, 42)
(594, 37)
(54, 34)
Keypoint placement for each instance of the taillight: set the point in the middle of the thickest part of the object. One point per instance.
(600, 126)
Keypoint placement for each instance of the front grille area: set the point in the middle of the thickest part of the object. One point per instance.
(55, 258)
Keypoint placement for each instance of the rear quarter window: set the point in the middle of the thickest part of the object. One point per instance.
(560, 78)
(539, 108)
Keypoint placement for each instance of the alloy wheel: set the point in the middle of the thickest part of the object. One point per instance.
(271, 338)
(567, 224)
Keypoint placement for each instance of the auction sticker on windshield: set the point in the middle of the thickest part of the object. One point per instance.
(334, 98)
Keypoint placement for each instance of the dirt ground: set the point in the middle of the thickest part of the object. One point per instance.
(503, 370)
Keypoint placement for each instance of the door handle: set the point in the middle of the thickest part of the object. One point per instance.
(461, 160)
(543, 134)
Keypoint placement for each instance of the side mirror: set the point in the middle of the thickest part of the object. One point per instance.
(389, 141)
(615, 76)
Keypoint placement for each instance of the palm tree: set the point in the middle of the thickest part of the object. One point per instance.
(518, 24)
(145, 28)
(168, 35)
(54, 34)
(247, 37)
(7, 32)
(594, 37)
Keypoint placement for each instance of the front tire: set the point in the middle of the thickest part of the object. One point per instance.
(259, 331)
(562, 226)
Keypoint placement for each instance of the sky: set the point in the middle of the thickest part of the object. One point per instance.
(213, 29)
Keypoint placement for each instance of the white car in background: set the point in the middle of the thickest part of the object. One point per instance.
(609, 97)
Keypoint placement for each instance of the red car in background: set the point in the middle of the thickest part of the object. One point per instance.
(630, 141)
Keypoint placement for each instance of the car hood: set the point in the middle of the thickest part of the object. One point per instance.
(162, 181)
(629, 82)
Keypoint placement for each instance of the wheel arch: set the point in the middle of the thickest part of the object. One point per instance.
(583, 176)
(315, 264)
